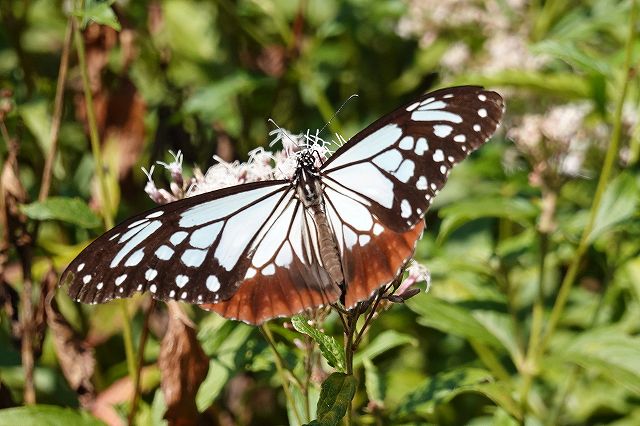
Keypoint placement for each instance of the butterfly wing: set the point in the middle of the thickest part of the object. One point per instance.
(286, 275)
(379, 184)
(203, 249)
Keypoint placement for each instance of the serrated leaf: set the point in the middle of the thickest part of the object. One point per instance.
(330, 349)
(454, 216)
(618, 205)
(49, 415)
(440, 389)
(335, 396)
(70, 210)
(383, 342)
(100, 12)
(450, 318)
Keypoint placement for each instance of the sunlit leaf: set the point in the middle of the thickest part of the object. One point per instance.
(100, 12)
(454, 216)
(71, 210)
(450, 318)
(441, 388)
(618, 205)
(382, 343)
(37, 415)
(331, 350)
(335, 396)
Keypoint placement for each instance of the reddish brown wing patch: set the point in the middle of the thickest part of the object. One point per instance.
(370, 266)
(285, 293)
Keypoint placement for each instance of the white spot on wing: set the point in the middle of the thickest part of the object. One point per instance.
(153, 288)
(413, 106)
(482, 97)
(222, 207)
(155, 214)
(375, 142)
(269, 270)
(135, 258)
(482, 112)
(364, 239)
(285, 257)
(193, 257)
(100, 285)
(377, 229)
(350, 237)
(406, 143)
(372, 183)
(438, 156)
(436, 115)
(121, 279)
(388, 160)
(432, 105)
(421, 184)
(86, 279)
(405, 172)
(135, 239)
(181, 280)
(421, 146)
(178, 237)
(251, 272)
(150, 274)
(442, 130)
(460, 138)
(405, 209)
(240, 229)
(351, 211)
(136, 223)
(80, 267)
(477, 127)
(164, 252)
(204, 237)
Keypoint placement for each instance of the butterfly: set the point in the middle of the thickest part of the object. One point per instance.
(338, 231)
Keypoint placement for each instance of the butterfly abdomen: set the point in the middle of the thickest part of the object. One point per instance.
(328, 247)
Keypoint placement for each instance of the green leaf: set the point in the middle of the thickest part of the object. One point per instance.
(373, 382)
(71, 210)
(450, 318)
(335, 396)
(517, 210)
(212, 385)
(618, 205)
(440, 389)
(37, 415)
(100, 12)
(613, 353)
(330, 349)
(383, 342)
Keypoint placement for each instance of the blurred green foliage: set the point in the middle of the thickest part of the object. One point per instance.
(203, 77)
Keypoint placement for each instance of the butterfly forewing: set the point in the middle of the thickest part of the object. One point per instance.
(399, 163)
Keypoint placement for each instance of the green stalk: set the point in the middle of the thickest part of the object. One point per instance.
(97, 155)
(282, 372)
(605, 175)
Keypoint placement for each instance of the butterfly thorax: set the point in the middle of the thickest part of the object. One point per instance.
(309, 191)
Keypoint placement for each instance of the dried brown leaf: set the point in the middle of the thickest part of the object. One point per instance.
(183, 365)
(75, 357)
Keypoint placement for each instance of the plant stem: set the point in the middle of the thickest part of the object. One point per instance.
(57, 114)
(104, 194)
(284, 378)
(607, 168)
(144, 334)
(93, 128)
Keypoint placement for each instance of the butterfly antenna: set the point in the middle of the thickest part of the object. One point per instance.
(282, 132)
(355, 95)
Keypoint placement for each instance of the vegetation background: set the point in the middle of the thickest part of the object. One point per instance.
(533, 316)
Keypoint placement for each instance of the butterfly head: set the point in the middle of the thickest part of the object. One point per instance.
(307, 178)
